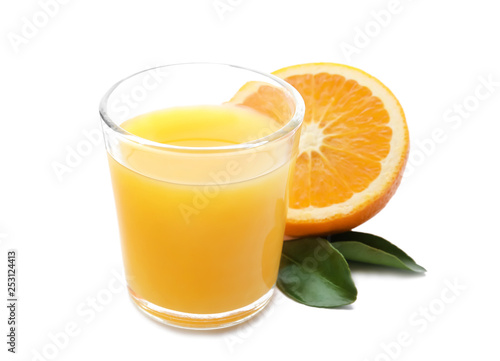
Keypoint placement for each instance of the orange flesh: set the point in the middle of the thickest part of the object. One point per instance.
(355, 138)
(353, 146)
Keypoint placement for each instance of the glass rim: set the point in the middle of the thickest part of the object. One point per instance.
(289, 127)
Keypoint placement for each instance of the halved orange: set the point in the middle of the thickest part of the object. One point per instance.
(353, 147)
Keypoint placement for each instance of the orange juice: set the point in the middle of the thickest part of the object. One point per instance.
(200, 236)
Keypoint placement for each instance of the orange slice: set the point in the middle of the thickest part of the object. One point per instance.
(353, 147)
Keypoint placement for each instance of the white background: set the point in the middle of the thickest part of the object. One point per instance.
(431, 54)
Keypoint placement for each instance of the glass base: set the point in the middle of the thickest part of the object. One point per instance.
(201, 321)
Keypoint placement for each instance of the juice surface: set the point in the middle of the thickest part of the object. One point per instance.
(210, 244)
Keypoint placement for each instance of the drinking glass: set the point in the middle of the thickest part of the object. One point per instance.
(201, 228)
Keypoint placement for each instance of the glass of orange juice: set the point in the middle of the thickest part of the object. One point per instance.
(200, 157)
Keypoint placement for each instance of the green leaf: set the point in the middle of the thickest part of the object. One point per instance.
(367, 248)
(314, 273)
